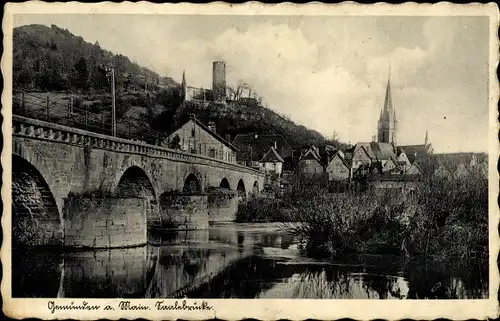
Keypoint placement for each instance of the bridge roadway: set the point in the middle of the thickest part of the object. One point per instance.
(77, 188)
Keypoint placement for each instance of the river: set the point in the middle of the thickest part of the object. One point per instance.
(232, 260)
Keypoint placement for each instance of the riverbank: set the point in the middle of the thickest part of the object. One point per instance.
(441, 218)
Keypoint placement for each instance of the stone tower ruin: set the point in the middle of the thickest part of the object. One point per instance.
(219, 81)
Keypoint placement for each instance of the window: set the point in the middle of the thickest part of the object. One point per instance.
(192, 132)
(212, 153)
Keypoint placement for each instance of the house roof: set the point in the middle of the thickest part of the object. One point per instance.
(383, 151)
(255, 146)
(311, 154)
(366, 147)
(341, 156)
(214, 134)
(272, 156)
(414, 151)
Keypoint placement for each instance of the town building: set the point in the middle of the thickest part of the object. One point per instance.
(310, 162)
(253, 147)
(272, 163)
(459, 165)
(338, 169)
(196, 138)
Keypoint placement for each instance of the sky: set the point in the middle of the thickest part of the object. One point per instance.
(328, 73)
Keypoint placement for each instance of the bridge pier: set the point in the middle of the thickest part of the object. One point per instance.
(222, 205)
(182, 211)
(105, 222)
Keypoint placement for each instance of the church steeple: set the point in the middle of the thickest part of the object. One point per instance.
(387, 121)
(388, 98)
(426, 137)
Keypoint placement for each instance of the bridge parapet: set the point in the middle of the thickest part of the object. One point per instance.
(38, 129)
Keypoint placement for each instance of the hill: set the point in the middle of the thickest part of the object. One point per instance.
(53, 59)
(52, 63)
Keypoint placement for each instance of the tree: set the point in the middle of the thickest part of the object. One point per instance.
(175, 142)
(236, 92)
(81, 75)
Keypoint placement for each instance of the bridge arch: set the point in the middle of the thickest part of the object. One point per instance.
(224, 183)
(192, 184)
(242, 193)
(134, 182)
(36, 218)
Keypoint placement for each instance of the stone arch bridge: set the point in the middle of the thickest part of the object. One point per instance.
(76, 188)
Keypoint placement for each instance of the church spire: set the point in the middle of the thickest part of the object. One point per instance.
(426, 137)
(388, 98)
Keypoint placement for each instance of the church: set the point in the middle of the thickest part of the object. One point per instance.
(382, 160)
(387, 131)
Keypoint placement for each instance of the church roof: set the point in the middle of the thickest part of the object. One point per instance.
(414, 151)
(388, 98)
(374, 150)
(383, 151)
(272, 156)
(388, 113)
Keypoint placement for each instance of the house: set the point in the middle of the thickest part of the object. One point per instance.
(310, 162)
(460, 165)
(196, 138)
(272, 163)
(361, 155)
(253, 147)
(403, 160)
(414, 169)
(390, 165)
(338, 169)
(442, 172)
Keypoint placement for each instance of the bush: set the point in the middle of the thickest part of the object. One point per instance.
(444, 218)
(263, 209)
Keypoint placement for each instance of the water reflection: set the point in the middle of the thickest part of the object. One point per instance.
(238, 261)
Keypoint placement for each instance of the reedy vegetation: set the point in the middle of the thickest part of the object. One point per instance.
(442, 218)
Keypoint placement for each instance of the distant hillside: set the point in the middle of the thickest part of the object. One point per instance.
(54, 59)
(52, 62)
(242, 117)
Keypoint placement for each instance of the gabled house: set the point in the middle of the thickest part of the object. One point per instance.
(403, 160)
(272, 163)
(391, 165)
(461, 171)
(338, 169)
(442, 172)
(460, 165)
(253, 147)
(414, 169)
(362, 155)
(310, 162)
(196, 138)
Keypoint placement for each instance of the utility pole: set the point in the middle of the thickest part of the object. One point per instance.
(111, 71)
